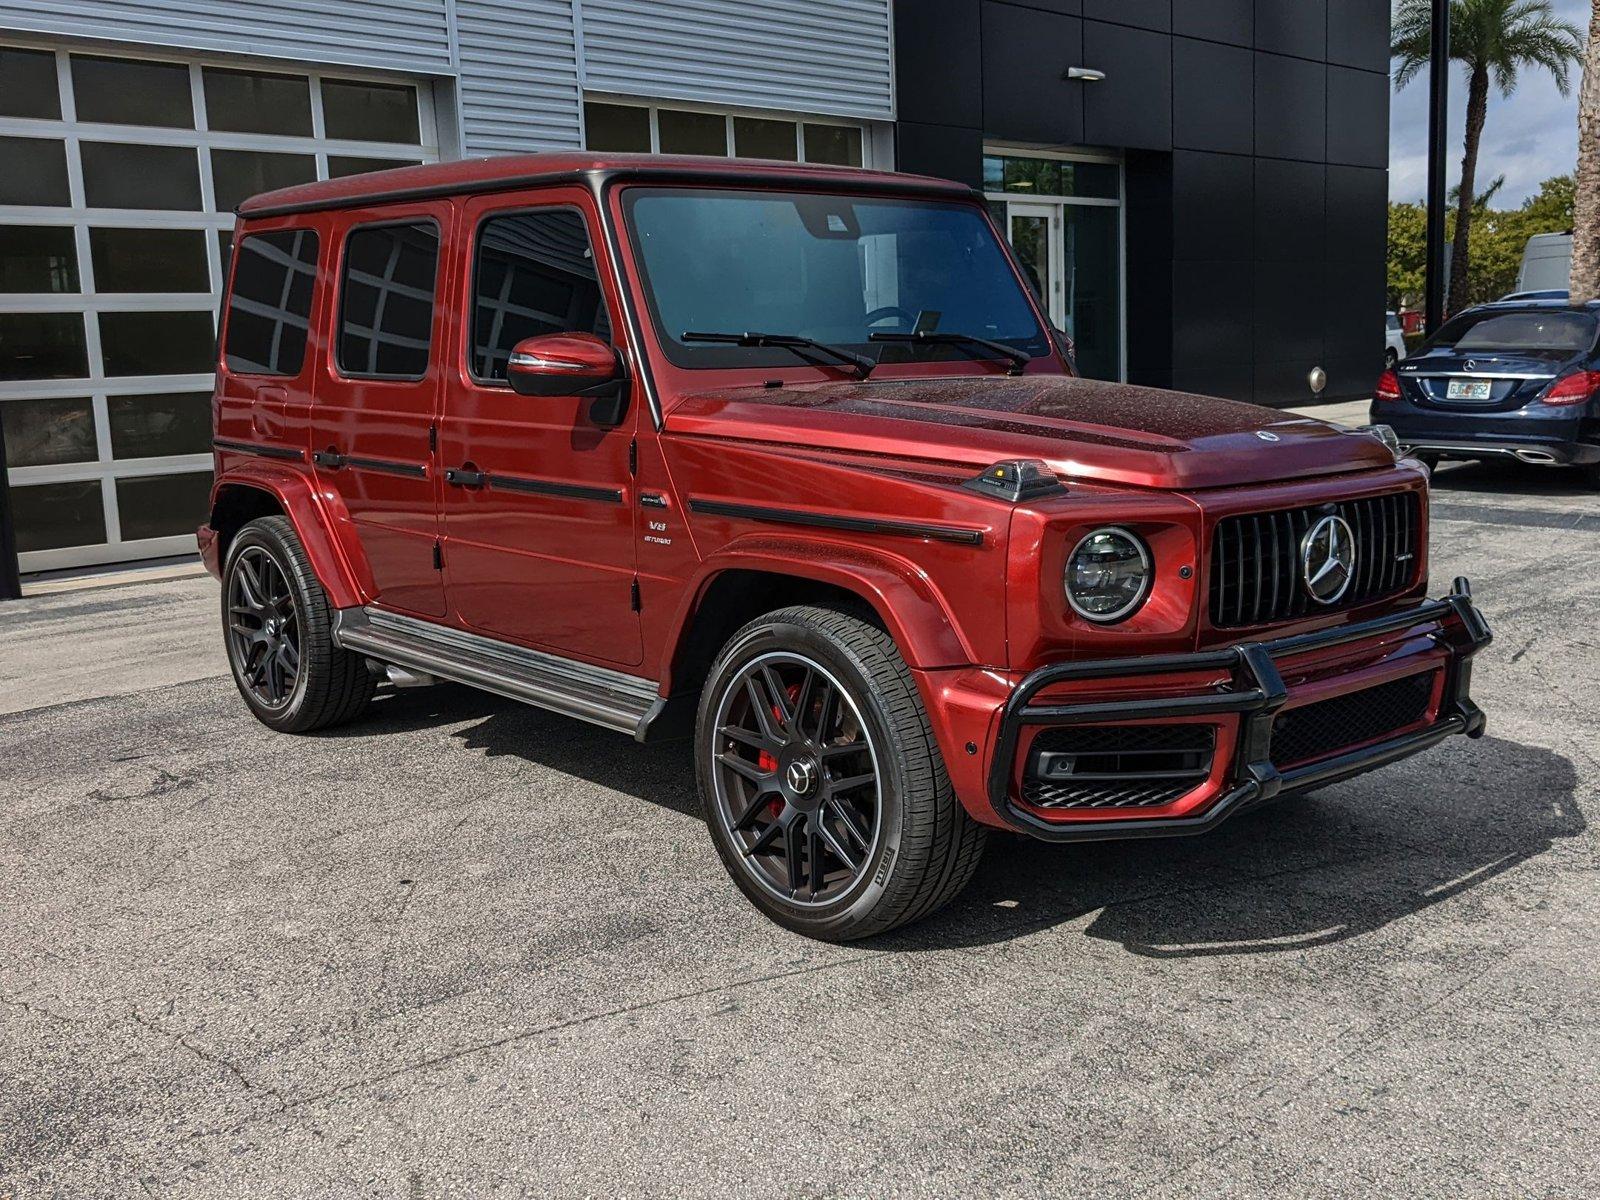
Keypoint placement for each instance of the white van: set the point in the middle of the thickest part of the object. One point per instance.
(1546, 265)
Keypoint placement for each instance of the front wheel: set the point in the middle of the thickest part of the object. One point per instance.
(822, 785)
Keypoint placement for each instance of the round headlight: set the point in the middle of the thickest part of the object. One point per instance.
(1108, 575)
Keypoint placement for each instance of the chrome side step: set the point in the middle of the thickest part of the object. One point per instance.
(598, 695)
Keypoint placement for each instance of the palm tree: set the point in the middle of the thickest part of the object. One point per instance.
(1494, 39)
(1586, 209)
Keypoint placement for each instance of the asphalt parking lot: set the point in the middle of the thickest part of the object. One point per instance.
(467, 948)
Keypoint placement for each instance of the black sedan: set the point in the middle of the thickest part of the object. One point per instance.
(1518, 379)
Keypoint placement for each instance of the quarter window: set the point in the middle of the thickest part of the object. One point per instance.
(386, 314)
(269, 308)
(534, 274)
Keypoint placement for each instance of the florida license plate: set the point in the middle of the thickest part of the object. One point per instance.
(1468, 389)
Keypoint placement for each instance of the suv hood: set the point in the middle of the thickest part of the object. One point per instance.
(1083, 428)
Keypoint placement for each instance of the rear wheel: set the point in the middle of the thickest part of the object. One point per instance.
(278, 627)
(821, 783)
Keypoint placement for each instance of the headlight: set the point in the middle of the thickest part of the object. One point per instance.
(1108, 575)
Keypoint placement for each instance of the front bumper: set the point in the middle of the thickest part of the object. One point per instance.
(1255, 694)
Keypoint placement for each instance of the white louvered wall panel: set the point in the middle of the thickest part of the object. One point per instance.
(818, 56)
(519, 76)
(396, 35)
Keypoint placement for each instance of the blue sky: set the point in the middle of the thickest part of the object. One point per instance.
(1528, 138)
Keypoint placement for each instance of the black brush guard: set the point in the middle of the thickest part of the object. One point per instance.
(1256, 693)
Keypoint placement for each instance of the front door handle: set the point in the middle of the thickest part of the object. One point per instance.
(465, 477)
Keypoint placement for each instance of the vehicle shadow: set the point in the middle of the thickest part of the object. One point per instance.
(1503, 477)
(1302, 872)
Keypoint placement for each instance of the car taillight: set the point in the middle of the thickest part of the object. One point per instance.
(1388, 387)
(1574, 388)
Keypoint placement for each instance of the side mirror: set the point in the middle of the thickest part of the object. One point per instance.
(1068, 348)
(570, 364)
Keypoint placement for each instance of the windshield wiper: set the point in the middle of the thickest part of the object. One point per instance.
(807, 348)
(928, 337)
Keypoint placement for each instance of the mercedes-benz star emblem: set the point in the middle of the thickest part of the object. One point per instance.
(1266, 435)
(1328, 559)
(801, 777)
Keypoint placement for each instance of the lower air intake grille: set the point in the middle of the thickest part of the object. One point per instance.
(1256, 571)
(1315, 731)
(1117, 766)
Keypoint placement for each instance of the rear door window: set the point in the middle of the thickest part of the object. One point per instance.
(533, 274)
(269, 308)
(386, 301)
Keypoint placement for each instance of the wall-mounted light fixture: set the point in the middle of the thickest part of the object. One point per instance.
(1087, 74)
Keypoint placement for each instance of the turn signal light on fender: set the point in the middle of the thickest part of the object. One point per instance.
(1574, 388)
(1388, 387)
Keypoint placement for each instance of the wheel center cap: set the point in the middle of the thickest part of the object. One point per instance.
(801, 775)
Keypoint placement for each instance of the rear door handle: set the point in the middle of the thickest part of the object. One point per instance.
(329, 458)
(464, 477)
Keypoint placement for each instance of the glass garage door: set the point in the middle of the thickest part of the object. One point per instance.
(120, 177)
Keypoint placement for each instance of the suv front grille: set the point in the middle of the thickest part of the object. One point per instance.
(1117, 766)
(1256, 572)
(1300, 735)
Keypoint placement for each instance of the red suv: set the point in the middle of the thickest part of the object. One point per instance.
(789, 460)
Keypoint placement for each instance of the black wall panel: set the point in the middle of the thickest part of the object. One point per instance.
(1358, 34)
(1289, 210)
(1025, 55)
(1291, 108)
(1358, 214)
(1232, 21)
(1213, 313)
(1297, 27)
(947, 151)
(1213, 97)
(1288, 311)
(1132, 106)
(1146, 14)
(942, 80)
(1212, 205)
(1358, 117)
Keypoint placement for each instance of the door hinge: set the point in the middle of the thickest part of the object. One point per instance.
(633, 457)
(433, 438)
(438, 557)
(635, 602)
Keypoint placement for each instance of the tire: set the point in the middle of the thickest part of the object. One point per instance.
(848, 859)
(1589, 473)
(270, 598)
(1431, 461)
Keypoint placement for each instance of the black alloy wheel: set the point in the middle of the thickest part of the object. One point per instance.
(263, 628)
(796, 778)
(277, 626)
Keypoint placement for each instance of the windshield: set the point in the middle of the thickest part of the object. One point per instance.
(1539, 329)
(834, 269)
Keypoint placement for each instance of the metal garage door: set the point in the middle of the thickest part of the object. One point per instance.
(116, 197)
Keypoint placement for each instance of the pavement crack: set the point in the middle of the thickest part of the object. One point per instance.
(211, 1057)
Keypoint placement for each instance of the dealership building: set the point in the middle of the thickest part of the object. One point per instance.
(1197, 187)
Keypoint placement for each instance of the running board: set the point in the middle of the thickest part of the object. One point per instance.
(600, 696)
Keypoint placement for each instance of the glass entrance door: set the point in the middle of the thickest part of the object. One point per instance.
(1063, 217)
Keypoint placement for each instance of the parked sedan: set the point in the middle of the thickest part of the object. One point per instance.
(1394, 340)
(1513, 379)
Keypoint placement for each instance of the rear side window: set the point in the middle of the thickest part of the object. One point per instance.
(534, 274)
(269, 308)
(386, 304)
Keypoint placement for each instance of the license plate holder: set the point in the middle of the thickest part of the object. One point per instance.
(1468, 389)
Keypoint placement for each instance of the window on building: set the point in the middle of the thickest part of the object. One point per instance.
(35, 172)
(156, 343)
(149, 260)
(126, 91)
(38, 258)
(353, 111)
(42, 346)
(236, 175)
(534, 274)
(52, 516)
(386, 300)
(154, 506)
(269, 309)
(159, 424)
(48, 432)
(28, 84)
(340, 165)
(122, 175)
(256, 102)
(641, 128)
